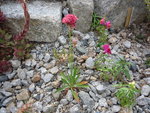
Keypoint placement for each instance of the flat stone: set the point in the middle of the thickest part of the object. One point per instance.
(47, 77)
(28, 62)
(54, 70)
(38, 106)
(16, 82)
(7, 94)
(64, 101)
(43, 70)
(115, 108)
(7, 85)
(75, 109)
(127, 44)
(100, 88)
(62, 40)
(112, 40)
(30, 73)
(21, 73)
(15, 63)
(45, 19)
(11, 75)
(47, 57)
(36, 78)
(83, 9)
(143, 100)
(49, 108)
(7, 101)
(145, 90)
(23, 95)
(89, 63)
(3, 110)
(3, 78)
(86, 99)
(56, 95)
(80, 49)
(103, 102)
(32, 87)
(69, 96)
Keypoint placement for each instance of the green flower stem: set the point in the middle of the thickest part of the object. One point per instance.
(71, 54)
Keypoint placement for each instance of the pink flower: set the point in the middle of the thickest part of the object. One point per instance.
(102, 21)
(108, 24)
(106, 48)
(70, 20)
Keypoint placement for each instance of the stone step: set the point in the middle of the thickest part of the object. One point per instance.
(45, 23)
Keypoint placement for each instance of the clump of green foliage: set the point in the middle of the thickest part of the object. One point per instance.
(95, 21)
(104, 65)
(71, 82)
(101, 29)
(126, 94)
(121, 68)
(110, 69)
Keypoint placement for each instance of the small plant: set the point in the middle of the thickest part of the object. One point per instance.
(95, 21)
(14, 45)
(101, 26)
(70, 21)
(109, 68)
(70, 82)
(104, 65)
(126, 94)
(121, 68)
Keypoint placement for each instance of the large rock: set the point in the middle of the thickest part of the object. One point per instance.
(116, 10)
(83, 9)
(45, 24)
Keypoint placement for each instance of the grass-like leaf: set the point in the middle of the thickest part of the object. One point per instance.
(70, 81)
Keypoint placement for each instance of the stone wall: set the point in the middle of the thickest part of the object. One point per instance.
(116, 10)
(50, 15)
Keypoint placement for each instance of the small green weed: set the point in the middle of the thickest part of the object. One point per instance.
(70, 82)
(121, 68)
(95, 21)
(126, 94)
(101, 29)
(110, 69)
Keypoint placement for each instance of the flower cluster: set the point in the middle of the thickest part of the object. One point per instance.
(107, 24)
(106, 48)
(70, 20)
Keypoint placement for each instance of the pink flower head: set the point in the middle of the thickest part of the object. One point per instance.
(102, 21)
(70, 20)
(106, 48)
(108, 24)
